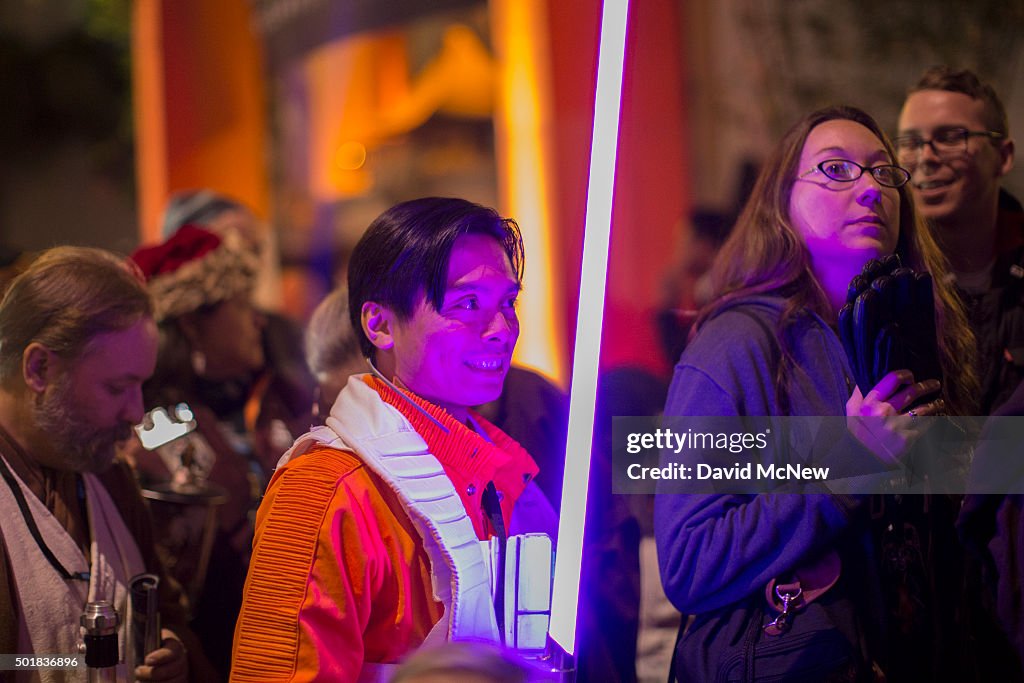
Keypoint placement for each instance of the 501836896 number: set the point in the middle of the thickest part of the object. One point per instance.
(13, 662)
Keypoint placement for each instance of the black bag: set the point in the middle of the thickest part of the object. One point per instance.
(730, 645)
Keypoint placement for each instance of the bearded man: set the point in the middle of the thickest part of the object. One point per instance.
(77, 339)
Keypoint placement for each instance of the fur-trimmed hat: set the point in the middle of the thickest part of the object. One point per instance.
(195, 267)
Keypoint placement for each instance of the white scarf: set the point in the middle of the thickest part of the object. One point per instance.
(49, 605)
(386, 442)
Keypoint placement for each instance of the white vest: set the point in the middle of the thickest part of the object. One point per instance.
(48, 604)
(386, 442)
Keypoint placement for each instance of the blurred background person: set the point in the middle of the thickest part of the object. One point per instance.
(218, 213)
(462, 662)
(211, 357)
(332, 351)
(954, 138)
(685, 284)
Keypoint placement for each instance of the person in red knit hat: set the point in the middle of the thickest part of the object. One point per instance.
(367, 539)
(211, 358)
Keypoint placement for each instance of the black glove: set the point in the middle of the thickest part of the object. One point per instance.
(888, 323)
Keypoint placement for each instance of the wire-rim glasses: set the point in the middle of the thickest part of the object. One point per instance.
(846, 171)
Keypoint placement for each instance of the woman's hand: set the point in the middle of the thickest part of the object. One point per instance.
(880, 420)
(167, 663)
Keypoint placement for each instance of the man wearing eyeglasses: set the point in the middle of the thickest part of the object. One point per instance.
(954, 139)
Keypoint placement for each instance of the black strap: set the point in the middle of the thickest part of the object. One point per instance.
(492, 508)
(30, 522)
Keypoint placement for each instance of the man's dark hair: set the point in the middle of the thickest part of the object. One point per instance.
(405, 251)
(64, 299)
(965, 81)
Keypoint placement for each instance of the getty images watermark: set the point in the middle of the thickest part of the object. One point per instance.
(749, 455)
(667, 440)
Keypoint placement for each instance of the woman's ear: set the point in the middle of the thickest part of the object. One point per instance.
(377, 325)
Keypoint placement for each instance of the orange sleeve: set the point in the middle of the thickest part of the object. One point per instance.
(337, 577)
(307, 601)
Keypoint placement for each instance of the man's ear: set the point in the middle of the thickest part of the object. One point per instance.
(377, 325)
(1006, 151)
(38, 365)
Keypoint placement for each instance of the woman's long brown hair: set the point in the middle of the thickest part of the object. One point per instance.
(766, 255)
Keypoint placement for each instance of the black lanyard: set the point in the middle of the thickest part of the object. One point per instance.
(30, 522)
(492, 508)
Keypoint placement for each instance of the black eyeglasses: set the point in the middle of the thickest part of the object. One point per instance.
(846, 171)
(945, 142)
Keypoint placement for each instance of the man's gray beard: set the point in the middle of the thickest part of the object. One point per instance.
(74, 442)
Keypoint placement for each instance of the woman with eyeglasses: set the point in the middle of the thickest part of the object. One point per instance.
(829, 199)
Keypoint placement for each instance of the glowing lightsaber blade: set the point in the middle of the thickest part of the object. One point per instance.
(589, 323)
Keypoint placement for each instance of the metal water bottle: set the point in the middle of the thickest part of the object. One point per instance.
(100, 621)
(144, 625)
